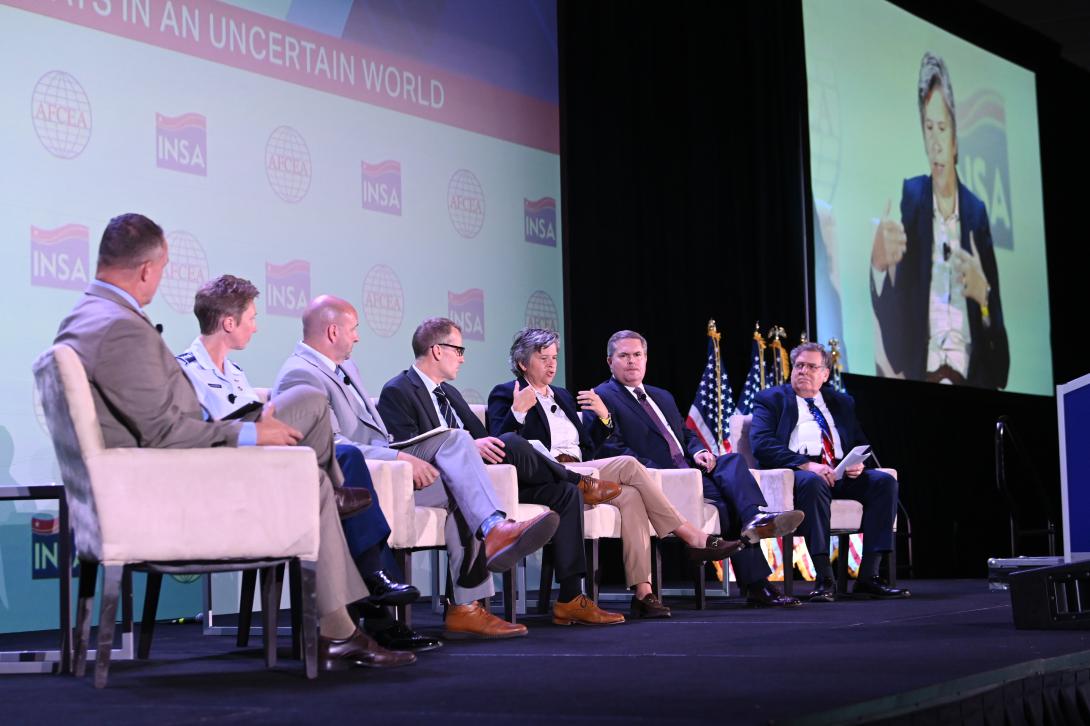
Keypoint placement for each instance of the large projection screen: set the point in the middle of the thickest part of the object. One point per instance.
(968, 292)
(404, 156)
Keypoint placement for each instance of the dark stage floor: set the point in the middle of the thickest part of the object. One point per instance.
(727, 664)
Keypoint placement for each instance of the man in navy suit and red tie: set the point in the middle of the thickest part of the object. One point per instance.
(801, 426)
(648, 425)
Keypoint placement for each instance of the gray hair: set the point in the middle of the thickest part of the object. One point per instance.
(808, 347)
(934, 76)
(624, 335)
(527, 342)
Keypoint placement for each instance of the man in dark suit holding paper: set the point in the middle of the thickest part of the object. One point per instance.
(800, 426)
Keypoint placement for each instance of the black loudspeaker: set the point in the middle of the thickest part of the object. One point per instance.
(1052, 597)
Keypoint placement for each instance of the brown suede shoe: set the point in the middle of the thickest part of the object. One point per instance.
(509, 541)
(649, 607)
(473, 621)
(351, 500)
(358, 650)
(716, 548)
(583, 611)
(596, 491)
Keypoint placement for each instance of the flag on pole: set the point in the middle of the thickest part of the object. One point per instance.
(754, 382)
(709, 416)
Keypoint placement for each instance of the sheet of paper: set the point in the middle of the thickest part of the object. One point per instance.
(419, 437)
(540, 448)
(856, 455)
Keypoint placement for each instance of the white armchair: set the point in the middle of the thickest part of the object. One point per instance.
(175, 511)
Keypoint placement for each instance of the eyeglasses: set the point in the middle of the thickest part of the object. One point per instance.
(458, 349)
(803, 366)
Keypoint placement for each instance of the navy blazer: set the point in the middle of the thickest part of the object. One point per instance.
(536, 426)
(775, 415)
(636, 434)
(407, 409)
(902, 308)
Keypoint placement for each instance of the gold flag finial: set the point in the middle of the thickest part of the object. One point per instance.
(713, 331)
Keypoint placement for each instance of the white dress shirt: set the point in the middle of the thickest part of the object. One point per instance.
(806, 436)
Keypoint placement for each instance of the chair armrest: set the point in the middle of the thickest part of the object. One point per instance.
(891, 472)
(505, 482)
(778, 488)
(393, 482)
(202, 504)
(684, 488)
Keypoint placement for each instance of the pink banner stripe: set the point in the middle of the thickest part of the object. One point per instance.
(58, 235)
(288, 268)
(187, 120)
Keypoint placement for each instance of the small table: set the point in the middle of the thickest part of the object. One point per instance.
(46, 661)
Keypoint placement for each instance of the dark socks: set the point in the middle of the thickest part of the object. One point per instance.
(868, 567)
(370, 560)
(570, 588)
(822, 566)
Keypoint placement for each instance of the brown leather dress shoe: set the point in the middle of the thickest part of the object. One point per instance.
(583, 611)
(715, 549)
(473, 621)
(351, 500)
(596, 491)
(766, 595)
(771, 524)
(358, 650)
(649, 607)
(509, 541)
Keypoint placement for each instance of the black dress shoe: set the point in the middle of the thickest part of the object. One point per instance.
(358, 650)
(873, 588)
(649, 607)
(766, 595)
(385, 591)
(824, 590)
(715, 549)
(351, 500)
(771, 524)
(400, 637)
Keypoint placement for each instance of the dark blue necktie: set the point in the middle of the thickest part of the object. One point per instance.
(446, 409)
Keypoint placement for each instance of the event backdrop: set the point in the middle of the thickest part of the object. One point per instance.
(404, 156)
(862, 64)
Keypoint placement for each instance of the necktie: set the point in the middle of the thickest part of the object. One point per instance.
(827, 450)
(675, 450)
(445, 408)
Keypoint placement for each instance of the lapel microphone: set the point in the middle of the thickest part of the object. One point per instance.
(945, 251)
(346, 381)
(231, 398)
(159, 327)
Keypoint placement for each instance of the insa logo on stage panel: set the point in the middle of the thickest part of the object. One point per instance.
(383, 300)
(465, 203)
(59, 257)
(181, 143)
(982, 160)
(467, 310)
(382, 187)
(45, 547)
(61, 113)
(287, 164)
(541, 311)
(540, 221)
(287, 288)
(185, 273)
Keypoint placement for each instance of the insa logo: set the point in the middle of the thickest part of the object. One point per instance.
(287, 164)
(465, 203)
(59, 257)
(181, 143)
(541, 311)
(61, 114)
(982, 160)
(383, 300)
(287, 288)
(540, 221)
(382, 187)
(186, 271)
(45, 547)
(467, 310)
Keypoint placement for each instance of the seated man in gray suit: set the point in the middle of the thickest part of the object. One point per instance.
(143, 399)
(447, 469)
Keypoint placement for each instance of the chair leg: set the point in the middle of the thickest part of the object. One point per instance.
(594, 577)
(698, 586)
(295, 597)
(308, 600)
(65, 555)
(404, 559)
(147, 620)
(656, 568)
(107, 617)
(509, 595)
(246, 607)
(88, 575)
(844, 545)
(270, 609)
(545, 585)
(787, 549)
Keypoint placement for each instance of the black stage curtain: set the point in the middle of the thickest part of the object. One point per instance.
(684, 144)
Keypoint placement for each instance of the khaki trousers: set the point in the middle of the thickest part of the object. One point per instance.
(641, 499)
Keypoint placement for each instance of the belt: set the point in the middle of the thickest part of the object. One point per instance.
(567, 459)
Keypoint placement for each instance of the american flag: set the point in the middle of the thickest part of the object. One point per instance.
(704, 412)
(754, 384)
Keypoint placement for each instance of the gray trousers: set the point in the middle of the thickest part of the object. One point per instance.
(465, 490)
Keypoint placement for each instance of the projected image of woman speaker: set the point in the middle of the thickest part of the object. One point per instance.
(934, 282)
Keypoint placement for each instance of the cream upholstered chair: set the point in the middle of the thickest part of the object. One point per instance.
(778, 487)
(175, 511)
(414, 528)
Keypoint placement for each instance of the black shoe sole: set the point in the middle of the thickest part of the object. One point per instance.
(394, 598)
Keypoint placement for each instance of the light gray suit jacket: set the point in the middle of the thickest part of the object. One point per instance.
(355, 425)
(141, 395)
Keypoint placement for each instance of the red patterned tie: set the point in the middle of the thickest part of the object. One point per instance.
(827, 450)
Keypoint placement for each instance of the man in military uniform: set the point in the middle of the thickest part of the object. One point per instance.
(227, 316)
